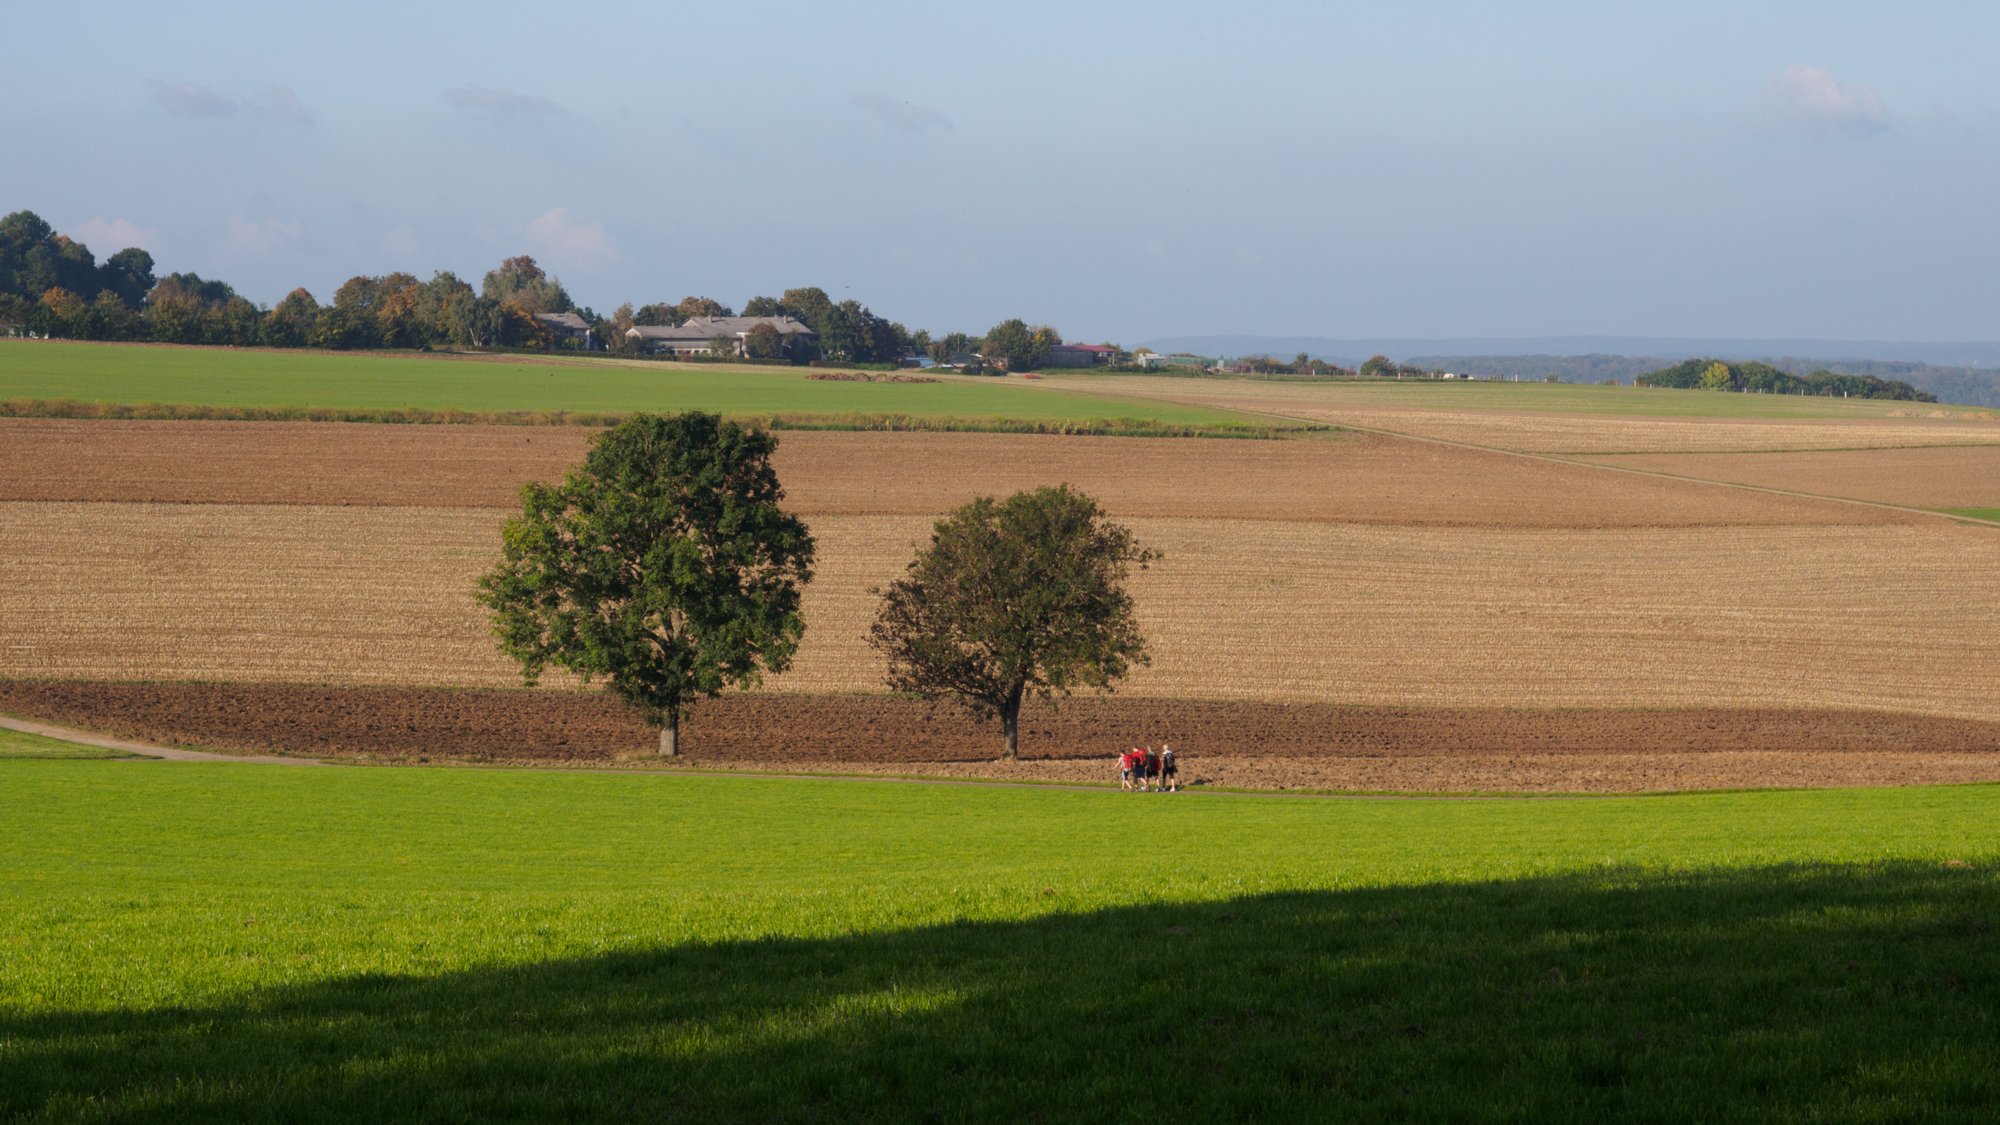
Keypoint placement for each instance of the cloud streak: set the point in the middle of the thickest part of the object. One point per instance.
(192, 99)
(108, 236)
(1813, 98)
(501, 105)
(280, 105)
(561, 236)
(260, 238)
(910, 117)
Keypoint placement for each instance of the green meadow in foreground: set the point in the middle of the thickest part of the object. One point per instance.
(194, 942)
(225, 377)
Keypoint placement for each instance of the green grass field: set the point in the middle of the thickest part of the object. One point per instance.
(1975, 513)
(1485, 395)
(223, 377)
(16, 744)
(194, 942)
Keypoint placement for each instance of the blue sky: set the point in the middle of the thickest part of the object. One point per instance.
(1120, 170)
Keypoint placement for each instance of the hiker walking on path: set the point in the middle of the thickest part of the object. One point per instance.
(1170, 772)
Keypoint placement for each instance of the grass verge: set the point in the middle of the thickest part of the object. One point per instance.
(1975, 513)
(900, 423)
(199, 942)
(17, 745)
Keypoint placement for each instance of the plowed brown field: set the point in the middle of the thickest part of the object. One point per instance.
(1960, 477)
(1356, 570)
(1238, 744)
(1887, 616)
(1352, 478)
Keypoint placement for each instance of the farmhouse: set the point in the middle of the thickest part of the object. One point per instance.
(697, 336)
(1179, 359)
(1080, 355)
(568, 328)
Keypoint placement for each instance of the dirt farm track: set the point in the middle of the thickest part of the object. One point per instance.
(1353, 611)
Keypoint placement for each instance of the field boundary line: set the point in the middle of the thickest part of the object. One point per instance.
(1561, 459)
(154, 752)
(146, 750)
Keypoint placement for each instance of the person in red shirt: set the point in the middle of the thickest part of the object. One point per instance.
(1125, 770)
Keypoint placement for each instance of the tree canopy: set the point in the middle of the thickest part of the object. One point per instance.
(1763, 378)
(663, 564)
(1012, 599)
(1013, 346)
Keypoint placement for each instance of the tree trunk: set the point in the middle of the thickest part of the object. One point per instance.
(1010, 724)
(670, 737)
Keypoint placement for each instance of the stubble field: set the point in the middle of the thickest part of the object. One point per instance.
(1355, 570)
(1569, 419)
(1944, 479)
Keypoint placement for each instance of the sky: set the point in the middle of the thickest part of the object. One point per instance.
(1122, 171)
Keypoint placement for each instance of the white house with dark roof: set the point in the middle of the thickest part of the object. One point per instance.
(697, 336)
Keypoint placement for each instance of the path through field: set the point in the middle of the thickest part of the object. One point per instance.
(145, 750)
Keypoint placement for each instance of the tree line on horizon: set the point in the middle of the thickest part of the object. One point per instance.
(52, 286)
(1763, 378)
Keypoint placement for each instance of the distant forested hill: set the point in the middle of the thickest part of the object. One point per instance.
(1975, 386)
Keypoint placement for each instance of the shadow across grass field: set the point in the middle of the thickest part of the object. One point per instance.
(1786, 992)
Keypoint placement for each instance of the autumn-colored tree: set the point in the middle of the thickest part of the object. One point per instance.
(64, 311)
(807, 304)
(692, 307)
(521, 283)
(290, 324)
(400, 314)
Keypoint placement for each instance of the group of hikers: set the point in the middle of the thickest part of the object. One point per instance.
(1141, 769)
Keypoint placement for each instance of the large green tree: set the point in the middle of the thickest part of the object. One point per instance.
(1012, 599)
(1013, 346)
(662, 564)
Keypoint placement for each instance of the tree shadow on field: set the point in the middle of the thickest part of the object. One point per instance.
(1791, 992)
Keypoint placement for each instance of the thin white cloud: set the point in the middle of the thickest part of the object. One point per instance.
(1814, 98)
(192, 99)
(563, 238)
(910, 117)
(260, 238)
(280, 105)
(401, 244)
(106, 237)
(501, 105)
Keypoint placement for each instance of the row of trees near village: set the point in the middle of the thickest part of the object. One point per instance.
(53, 286)
(1762, 378)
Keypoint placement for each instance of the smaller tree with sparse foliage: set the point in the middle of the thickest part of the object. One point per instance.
(1014, 598)
(663, 563)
